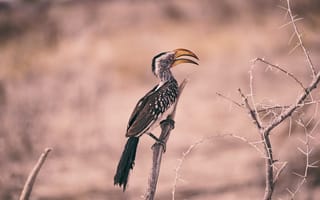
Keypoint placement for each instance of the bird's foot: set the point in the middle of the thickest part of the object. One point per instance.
(162, 143)
(158, 141)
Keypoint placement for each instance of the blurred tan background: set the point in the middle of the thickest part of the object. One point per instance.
(71, 71)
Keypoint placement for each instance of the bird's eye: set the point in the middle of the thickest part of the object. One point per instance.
(165, 62)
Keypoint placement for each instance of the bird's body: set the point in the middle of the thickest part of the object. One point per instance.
(151, 109)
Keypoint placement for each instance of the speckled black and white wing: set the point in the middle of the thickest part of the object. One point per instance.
(151, 107)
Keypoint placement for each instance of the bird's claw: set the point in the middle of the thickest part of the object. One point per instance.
(162, 143)
(158, 141)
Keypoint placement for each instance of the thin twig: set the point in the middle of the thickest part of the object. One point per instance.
(279, 172)
(281, 69)
(158, 149)
(294, 48)
(252, 113)
(229, 99)
(26, 192)
(257, 117)
(290, 22)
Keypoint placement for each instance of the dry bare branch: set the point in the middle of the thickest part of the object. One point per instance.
(26, 192)
(158, 149)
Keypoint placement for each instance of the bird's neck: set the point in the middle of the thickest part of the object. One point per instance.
(165, 76)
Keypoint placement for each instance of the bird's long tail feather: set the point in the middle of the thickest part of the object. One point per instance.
(126, 162)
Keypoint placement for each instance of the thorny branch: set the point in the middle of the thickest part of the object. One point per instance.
(299, 36)
(265, 130)
(265, 133)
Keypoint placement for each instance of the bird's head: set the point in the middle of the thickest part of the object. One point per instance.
(162, 62)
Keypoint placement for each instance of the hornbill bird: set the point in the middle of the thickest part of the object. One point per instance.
(151, 109)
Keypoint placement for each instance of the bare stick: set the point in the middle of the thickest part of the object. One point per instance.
(158, 149)
(25, 194)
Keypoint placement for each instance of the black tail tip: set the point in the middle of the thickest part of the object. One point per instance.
(121, 185)
(126, 163)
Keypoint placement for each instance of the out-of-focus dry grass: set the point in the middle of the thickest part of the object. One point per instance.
(72, 71)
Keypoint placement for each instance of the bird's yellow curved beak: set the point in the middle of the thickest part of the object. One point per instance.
(183, 52)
